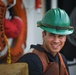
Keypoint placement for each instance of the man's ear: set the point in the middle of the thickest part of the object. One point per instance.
(43, 33)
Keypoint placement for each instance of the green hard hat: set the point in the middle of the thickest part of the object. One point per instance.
(56, 21)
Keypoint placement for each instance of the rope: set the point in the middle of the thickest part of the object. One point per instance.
(8, 60)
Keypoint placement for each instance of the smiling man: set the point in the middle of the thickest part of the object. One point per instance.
(53, 43)
(46, 59)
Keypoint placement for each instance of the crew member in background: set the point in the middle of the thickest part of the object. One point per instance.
(45, 58)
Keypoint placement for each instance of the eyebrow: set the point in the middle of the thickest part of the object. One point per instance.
(57, 34)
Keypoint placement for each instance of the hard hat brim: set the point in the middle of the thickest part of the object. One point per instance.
(55, 31)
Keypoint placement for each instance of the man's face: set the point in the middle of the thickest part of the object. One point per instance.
(53, 43)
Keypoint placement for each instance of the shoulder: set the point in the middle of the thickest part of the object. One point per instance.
(29, 57)
(63, 58)
(34, 63)
(65, 61)
(32, 59)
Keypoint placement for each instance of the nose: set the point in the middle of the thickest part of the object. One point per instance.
(56, 39)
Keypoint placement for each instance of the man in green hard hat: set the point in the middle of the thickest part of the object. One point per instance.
(46, 59)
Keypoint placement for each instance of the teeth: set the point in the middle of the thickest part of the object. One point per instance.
(55, 46)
